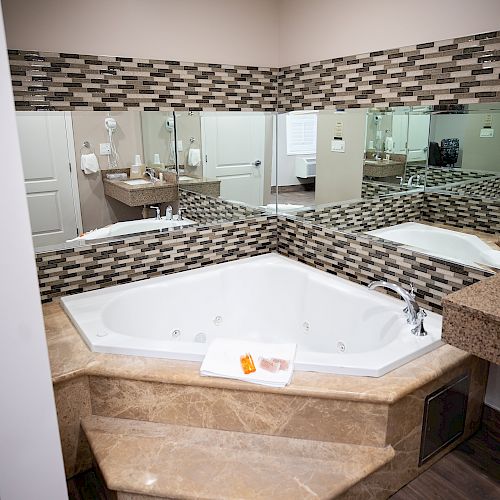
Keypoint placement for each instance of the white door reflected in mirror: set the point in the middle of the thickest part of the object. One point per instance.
(46, 149)
(234, 149)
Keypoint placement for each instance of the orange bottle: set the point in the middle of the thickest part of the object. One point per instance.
(247, 363)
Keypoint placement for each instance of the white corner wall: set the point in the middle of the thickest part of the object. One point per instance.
(314, 30)
(31, 465)
(218, 31)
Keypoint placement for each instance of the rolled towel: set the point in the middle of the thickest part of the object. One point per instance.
(194, 157)
(89, 163)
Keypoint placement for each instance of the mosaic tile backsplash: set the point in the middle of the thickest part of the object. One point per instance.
(458, 71)
(366, 215)
(208, 210)
(361, 260)
(148, 255)
(59, 81)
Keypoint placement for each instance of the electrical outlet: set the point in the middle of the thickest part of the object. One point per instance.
(105, 148)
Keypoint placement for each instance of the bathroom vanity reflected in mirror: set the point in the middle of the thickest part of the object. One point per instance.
(332, 156)
(92, 175)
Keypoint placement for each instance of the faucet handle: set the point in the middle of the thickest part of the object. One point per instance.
(412, 290)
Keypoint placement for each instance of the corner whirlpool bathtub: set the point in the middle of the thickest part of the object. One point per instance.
(338, 326)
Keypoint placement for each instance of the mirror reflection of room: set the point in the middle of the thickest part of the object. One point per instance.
(331, 156)
(464, 150)
(93, 175)
(230, 151)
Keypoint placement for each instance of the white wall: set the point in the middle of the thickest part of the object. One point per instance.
(219, 31)
(492, 397)
(313, 30)
(31, 464)
(339, 176)
(286, 163)
(254, 32)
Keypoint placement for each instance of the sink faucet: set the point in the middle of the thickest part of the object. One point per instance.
(150, 172)
(414, 315)
(158, 215)
(410, 180)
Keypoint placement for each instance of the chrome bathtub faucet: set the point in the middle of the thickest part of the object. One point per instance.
(414, 315)
(158, 216)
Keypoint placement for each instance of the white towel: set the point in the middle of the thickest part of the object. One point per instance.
(223, 360)
(89, 163)
(194, 157)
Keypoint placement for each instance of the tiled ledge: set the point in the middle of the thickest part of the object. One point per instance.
(71, 358)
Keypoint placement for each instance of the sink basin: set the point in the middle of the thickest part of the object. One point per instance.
(137, 182)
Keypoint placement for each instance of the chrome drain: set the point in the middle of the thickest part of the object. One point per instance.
(175, 334)
(306, 326)
(341, 346)
(217, 320)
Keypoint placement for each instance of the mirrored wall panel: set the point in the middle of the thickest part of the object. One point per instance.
(464, 151)
(91, 176)
(331, 156)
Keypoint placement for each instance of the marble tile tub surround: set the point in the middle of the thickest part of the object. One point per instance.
(457, 71)
(171, 392)
(152, 254)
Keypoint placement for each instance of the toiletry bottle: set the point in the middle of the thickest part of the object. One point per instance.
(157, 162)
(137, 170)
(168, 213)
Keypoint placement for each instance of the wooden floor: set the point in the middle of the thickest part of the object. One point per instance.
(470, 472)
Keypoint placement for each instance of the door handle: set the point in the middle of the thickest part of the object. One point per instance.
(257, 163)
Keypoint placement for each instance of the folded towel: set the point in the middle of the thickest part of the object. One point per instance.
(194, 157)
(89, 163)
(223, 360)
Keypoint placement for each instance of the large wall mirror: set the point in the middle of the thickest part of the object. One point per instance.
(91, 176)
(332, 156)
(425, 178)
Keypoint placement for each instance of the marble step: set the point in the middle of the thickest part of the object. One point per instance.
(140, 459)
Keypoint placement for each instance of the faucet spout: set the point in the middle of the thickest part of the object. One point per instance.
(414, 315)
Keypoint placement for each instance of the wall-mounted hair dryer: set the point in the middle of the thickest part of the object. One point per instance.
(111, 126)
(169, 123)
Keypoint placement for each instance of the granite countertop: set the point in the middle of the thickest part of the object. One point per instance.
(471, 319)
(196, 180)
(70, 357)
(381, 163)
(141, 194)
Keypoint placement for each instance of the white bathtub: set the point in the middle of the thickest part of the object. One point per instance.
(132, 227)
(339, 327)
(456, 246)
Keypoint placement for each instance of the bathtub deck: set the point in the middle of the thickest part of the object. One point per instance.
(70, 358)
(171, 461)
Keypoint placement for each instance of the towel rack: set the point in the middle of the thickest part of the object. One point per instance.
(87, 145)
